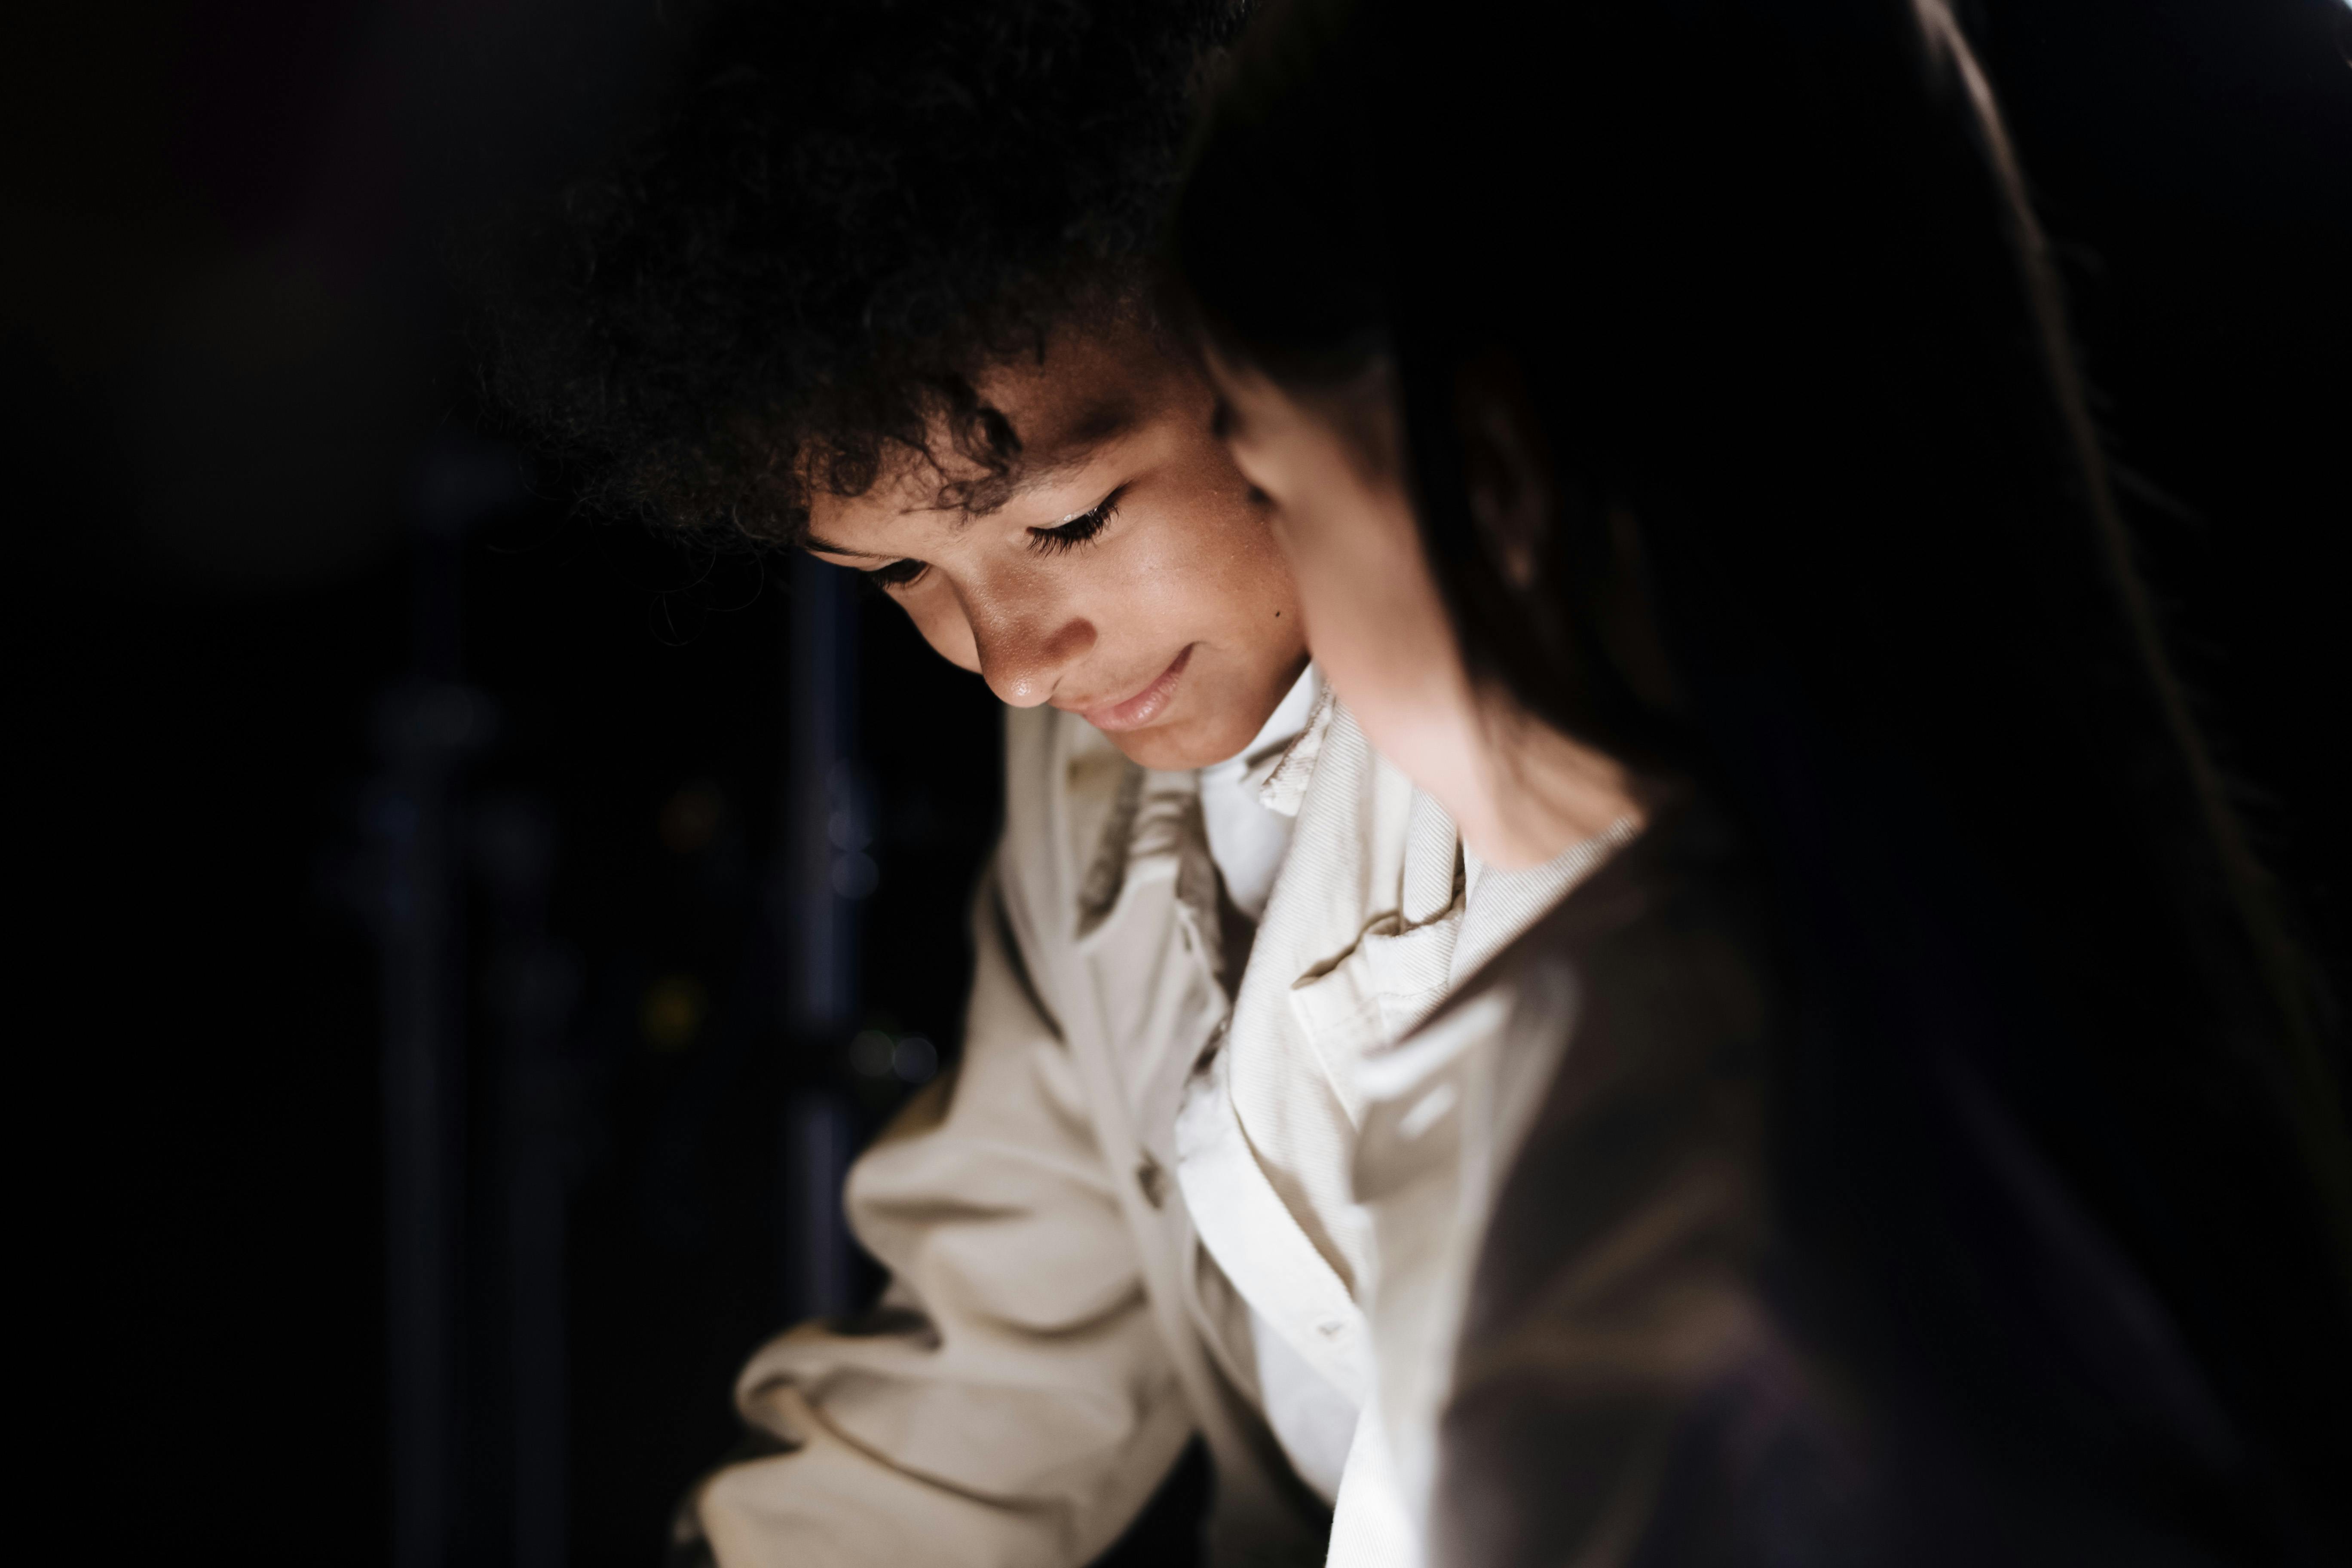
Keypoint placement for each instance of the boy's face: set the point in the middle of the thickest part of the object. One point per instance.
(1131, 578)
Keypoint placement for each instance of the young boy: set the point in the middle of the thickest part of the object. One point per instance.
(875, 287)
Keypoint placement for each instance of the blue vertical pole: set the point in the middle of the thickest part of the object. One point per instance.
(825, 872)
(425, 727)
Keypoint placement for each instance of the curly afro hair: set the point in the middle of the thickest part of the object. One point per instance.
(839, 213)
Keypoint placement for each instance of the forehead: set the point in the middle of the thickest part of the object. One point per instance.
(1085, 392)
(1086, 387)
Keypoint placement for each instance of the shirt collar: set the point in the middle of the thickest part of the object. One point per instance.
(1283, 760)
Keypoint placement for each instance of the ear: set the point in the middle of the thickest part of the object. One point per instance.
(1507, 469)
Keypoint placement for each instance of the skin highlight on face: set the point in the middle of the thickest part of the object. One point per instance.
(1131, 577)
(1518, 790)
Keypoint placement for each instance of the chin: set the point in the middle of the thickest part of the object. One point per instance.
(1175, 748)
(1235, 712)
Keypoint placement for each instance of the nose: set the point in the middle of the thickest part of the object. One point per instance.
(1024, 656)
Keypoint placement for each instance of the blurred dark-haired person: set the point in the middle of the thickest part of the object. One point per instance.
(877, 284)
(1911, 1137)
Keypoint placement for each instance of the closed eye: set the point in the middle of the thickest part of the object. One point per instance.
(897, 574)
(1079, 530)
(1052, 541)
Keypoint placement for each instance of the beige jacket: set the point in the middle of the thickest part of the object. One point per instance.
(1126, 1180)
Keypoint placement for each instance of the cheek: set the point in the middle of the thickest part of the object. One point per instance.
(1400, 676)
(1205, 565)
(1254, 573)
(1346, 573)
(1355, 645)
(1379, 629)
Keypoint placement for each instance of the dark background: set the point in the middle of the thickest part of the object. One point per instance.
(236, 414)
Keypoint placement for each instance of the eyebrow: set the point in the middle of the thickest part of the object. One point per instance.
(1101, 422)
(810, 542)
(1104, 419)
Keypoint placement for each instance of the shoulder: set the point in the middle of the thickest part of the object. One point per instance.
(1677, 900)
(1614, 1298)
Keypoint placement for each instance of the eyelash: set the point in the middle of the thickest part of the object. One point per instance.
(1079, 529)
(898, 574)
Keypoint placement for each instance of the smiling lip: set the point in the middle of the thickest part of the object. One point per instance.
(1146, 705)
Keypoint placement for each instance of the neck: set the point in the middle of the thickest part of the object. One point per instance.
(1544, 792)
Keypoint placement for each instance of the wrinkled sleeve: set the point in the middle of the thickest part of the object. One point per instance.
(1010, 1401)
